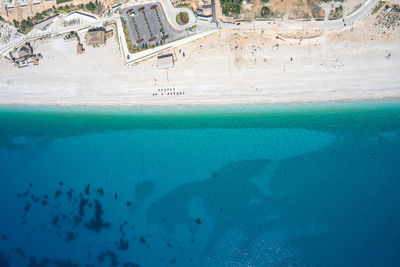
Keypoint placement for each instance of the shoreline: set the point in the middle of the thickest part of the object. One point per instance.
(197, 103)
(225, 68)
(205, 108)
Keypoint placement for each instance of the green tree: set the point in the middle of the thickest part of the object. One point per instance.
(231, 6)
(265, 12)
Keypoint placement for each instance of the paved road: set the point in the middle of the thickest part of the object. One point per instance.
(214, 15)
(171, 12)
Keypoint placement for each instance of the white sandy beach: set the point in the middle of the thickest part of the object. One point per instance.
(227, 67)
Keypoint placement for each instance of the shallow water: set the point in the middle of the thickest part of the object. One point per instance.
(302, 185)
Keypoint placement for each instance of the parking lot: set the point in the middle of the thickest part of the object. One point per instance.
(147, 25)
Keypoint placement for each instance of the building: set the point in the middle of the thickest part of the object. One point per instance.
(9, 4)
(96, 37)
(22, 9)
(24, 56)
(24, 53)
(22, 3)
(79, 17)
(109, 34)
(165, 61)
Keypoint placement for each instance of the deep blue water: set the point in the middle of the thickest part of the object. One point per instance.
(278, 185)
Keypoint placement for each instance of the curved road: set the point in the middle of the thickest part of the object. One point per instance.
(171, 12)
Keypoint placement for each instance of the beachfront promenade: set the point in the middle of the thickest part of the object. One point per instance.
(170, 12)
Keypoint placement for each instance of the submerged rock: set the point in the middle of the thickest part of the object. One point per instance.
(70, 236)
(45, 262)
(58, 193)
(4, 260)
(122, 244)
(20, 253)
(87, 188)
(110, 255)
(27, 207)
(130, 264)
(100, 191)
(96, 223)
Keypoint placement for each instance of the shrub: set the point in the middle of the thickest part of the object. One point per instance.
(231, 6)
(265, 12)
(182, 18)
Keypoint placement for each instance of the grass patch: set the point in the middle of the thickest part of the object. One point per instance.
(24, 26)
(62, 1)
(377, 7)
(182, 18)
(265, 12)
(231, 6)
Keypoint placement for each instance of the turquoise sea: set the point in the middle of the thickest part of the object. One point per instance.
(257, 185)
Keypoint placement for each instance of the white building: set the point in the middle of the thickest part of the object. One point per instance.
(9, 4)
(22, 3)
(165, 61)
(78, 17)
(44, 24)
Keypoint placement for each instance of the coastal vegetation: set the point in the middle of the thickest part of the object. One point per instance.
(230, 7)
(265, 12)
(62, 1)
(389, 17)
(71, 36)
(26, 25)
(336, 13)
(182, 18)
(377, 7)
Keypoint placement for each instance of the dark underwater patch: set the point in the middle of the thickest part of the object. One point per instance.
(110, 255)
(20, 253)
(58, 193)
(46, 262)
(70, 236)
(100, 191)
(87, 189)
(4, 260)
(122, 244)
(96, 223)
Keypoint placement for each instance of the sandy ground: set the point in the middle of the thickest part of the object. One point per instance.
(227, 67)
